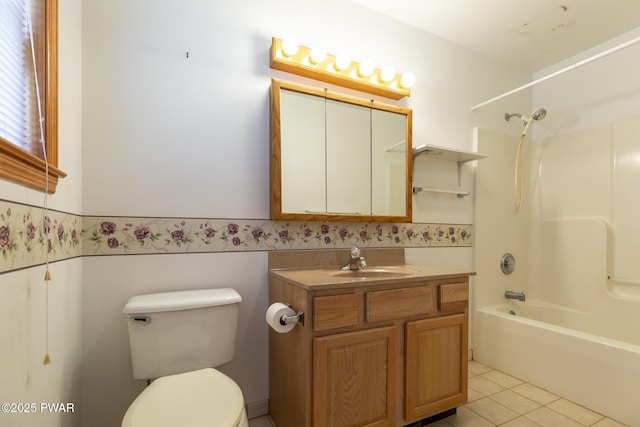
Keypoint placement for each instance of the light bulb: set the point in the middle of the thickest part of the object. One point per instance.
(387, 74)
(366, 68)
(290, 46)
(318, 54)
(407, 80)
(342, 61)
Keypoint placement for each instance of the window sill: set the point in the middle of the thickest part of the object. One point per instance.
(24, 168)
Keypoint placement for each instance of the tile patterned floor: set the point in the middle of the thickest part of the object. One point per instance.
(497, 399)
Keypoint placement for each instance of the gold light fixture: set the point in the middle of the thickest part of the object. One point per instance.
(316, 63)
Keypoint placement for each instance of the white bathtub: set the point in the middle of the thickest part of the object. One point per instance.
(600, 373)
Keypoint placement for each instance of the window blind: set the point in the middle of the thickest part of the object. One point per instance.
(14, 82)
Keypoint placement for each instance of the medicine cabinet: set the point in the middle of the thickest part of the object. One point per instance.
(338, 158)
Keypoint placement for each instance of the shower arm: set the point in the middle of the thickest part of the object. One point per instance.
(508, 116)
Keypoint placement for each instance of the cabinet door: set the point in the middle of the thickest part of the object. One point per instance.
(436, 365)
(348, 151)
(354, 378)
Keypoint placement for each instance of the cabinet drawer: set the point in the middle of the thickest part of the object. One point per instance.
(335, 311)
(398, 303)
(454, 296)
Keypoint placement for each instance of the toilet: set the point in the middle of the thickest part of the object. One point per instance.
(176, 340)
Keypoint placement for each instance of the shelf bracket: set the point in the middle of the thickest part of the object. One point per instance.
(460, 157)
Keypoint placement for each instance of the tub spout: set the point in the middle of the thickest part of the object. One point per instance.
(515, 295)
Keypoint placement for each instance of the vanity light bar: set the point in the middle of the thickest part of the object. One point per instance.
(316, 64)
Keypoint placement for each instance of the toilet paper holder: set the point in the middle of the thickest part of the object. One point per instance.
(297, 318)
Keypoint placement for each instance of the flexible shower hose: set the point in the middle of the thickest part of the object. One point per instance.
(519, 180)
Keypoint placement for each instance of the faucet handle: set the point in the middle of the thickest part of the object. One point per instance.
(355, 252)
(363, 262)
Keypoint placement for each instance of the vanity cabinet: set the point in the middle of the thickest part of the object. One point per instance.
(384, 353)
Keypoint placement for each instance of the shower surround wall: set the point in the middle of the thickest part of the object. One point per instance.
(588, 198)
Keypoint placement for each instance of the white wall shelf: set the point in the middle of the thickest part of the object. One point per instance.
(441, 153)
(460, 157)
(458, 193)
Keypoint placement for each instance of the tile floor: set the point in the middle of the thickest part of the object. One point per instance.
(497, 399)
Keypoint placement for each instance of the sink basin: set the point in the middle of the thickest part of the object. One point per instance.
(371, 273)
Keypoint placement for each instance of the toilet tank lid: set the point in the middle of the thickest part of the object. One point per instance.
(181, 300)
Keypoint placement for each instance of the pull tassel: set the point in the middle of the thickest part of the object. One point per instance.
(47, 278)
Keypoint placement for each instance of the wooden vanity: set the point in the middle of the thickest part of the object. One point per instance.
(383, 347)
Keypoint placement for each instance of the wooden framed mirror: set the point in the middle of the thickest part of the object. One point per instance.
(338, 158)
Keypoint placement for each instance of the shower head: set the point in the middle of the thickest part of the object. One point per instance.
(539, 114)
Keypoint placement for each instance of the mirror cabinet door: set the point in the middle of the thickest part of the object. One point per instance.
(338, 158)
(389, 162)
(348, 159)
(302, 149)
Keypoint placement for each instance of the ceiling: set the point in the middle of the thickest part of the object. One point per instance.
(531, 34)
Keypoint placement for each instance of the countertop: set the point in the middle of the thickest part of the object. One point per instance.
(333, 278)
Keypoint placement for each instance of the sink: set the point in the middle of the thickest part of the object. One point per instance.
(371, 272)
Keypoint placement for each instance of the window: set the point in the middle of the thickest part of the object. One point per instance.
(21, 153)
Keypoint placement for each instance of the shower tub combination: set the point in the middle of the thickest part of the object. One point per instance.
(586, 348)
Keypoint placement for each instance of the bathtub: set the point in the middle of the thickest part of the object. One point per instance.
(538, 343)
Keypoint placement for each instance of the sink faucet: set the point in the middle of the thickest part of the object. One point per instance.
(515, 295)
(356, 262)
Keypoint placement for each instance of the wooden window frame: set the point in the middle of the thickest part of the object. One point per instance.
(19, 165)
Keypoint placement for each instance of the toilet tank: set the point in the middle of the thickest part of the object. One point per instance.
(175, 332)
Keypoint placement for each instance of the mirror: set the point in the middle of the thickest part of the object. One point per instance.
(338, 158)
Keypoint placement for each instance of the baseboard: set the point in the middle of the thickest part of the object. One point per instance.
(258, 409)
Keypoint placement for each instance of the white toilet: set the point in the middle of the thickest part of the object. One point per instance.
(176, 340)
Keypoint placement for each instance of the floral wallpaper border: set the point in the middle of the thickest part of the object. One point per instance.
(30, 237)
(23, 238)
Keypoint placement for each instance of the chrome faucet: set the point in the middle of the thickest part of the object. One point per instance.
(515, 295)
(356, 262)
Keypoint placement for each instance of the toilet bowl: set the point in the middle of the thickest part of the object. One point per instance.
(204, 398)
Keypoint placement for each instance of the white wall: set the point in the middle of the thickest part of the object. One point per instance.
(23, 377)
(164, 136)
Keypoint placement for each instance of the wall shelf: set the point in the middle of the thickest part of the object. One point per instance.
(460, 157)
(441, 153)
(460, 194)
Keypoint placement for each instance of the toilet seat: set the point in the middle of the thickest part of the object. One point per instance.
(203, 398)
